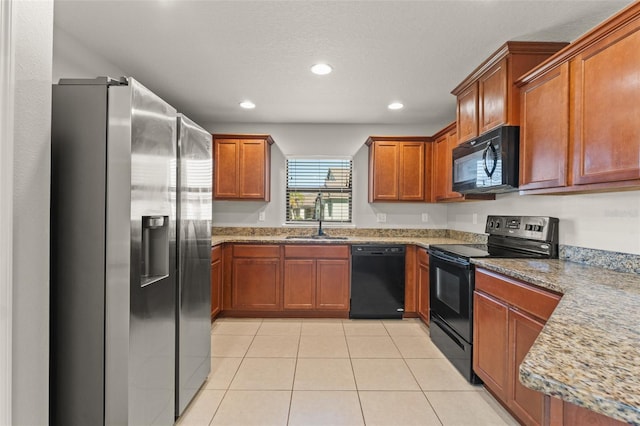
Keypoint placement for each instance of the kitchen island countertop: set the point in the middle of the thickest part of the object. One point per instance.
(588, 353)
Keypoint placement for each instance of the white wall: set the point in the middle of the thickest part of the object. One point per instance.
(72, 59)
(609, 221)
(325, 139)
(33, 34)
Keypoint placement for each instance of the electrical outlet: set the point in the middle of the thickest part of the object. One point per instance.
(261, 216)
(425, 217)
(475, 218)
(381, 217)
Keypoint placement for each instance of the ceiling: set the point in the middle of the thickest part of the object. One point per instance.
(205, 57)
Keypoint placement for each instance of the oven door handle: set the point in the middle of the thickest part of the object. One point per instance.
(456, 261)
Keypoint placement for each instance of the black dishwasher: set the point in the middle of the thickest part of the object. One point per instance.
(377, 281)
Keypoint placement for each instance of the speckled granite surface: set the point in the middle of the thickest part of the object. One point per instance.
(588, 353)
(354, 234)
(621, 262)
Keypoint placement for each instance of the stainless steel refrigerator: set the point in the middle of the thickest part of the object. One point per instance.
(114, 255)
(193, 339)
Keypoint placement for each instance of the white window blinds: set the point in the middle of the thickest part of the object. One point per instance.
(309, 177)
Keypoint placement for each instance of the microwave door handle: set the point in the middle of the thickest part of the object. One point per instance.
(495, 159)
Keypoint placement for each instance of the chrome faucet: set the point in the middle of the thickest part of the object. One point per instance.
(319, 212)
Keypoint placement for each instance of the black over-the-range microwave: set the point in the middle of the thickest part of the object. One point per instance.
(488, 163)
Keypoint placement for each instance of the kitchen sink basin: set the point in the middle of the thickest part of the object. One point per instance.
(314, 237)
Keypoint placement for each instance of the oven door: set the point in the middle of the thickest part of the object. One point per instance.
(451, 292)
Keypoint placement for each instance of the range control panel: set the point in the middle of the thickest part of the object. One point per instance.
(541, 228)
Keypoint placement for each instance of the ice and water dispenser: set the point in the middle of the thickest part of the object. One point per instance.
(155, 249)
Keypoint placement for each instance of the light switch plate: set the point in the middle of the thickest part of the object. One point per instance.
(475, 218)
(425, 217)
(381, 217)
(261, 216)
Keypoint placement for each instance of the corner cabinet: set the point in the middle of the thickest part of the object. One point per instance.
(242, 167)
(580, 129)
(316, 277)
(488, 98)
(397, 168)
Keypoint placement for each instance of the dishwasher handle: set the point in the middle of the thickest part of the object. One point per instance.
(377, 250)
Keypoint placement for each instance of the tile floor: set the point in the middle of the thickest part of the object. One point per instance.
(334, 372)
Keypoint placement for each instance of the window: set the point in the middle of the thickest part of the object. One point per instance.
(307, 179)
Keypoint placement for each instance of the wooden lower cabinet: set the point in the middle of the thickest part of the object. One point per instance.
(316, 278)
(422, 277)
(299, 284)
(527, 404)
(491, 343)
(508, 316)
(255, 278)
(332, 284)
(216, 281)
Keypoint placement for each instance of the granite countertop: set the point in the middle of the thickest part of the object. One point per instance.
(588, 353)
(282, 239)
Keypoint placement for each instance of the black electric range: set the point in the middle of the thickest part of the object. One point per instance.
(452, 280)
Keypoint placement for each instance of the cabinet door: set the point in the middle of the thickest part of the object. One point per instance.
(492, 97)
(216, 281)
(423, 285)
(491, 338)
(527, 404)
(606, 128)
(384, 164)
(332, 284)
(225, 167)
(255, 284)
(452, 142)
(252, 169)
(467, 113)
(544, 134)
(411, 172)
(440, 168)
(299, 284)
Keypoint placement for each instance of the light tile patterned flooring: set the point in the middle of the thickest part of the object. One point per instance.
(334, 372)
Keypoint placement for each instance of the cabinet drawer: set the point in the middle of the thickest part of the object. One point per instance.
(537, 302)
(423, 256)
(319, 251)
(254, 250)
(216, 253)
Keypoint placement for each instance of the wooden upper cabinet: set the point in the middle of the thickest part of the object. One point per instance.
(492, 94)
(488, 98)
(440, 168)
(397, 168)
(580, 115)
(606, 122)
(544, 131)
(242, 167)
(467, 113)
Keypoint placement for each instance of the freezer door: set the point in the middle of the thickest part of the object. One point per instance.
(141, 258)
(194, 260)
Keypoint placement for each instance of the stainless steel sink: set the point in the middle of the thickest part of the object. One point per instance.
(314, 237)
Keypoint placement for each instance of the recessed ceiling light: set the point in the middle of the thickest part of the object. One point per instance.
(247, 105)
(321, 69)
(395, 105)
